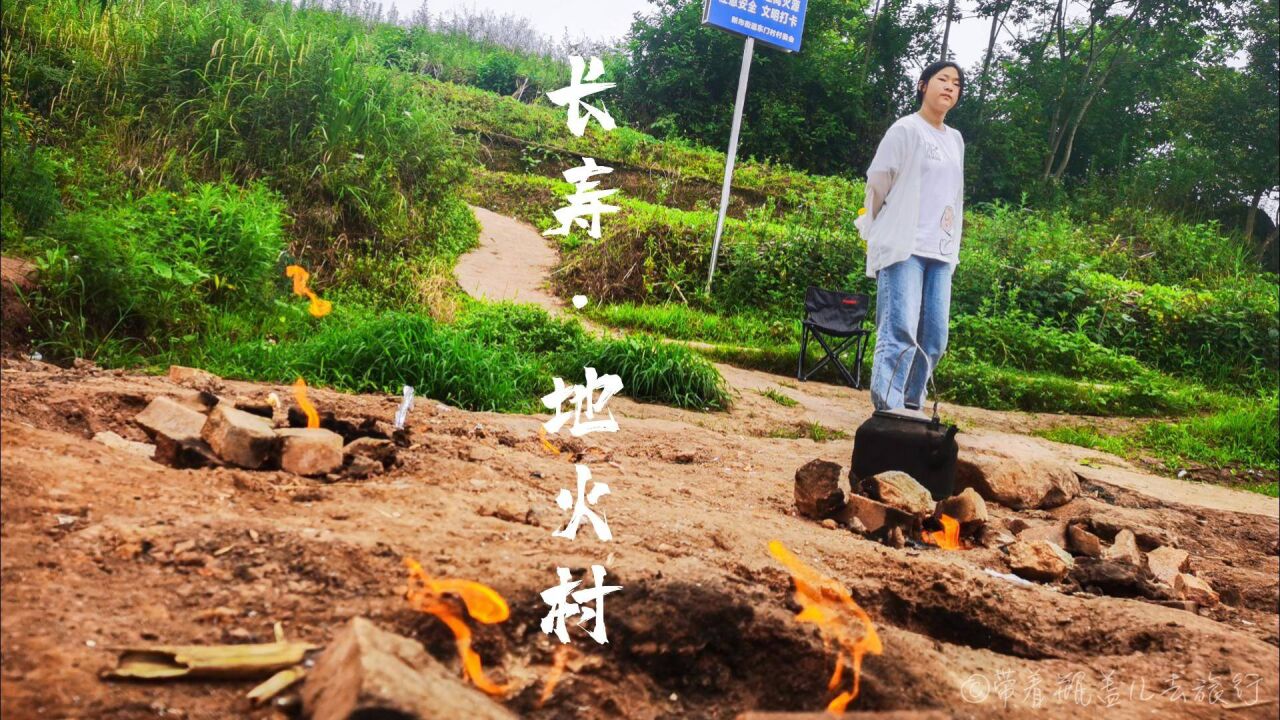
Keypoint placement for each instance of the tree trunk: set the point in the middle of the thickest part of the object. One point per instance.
(946, 32)
(1075, 122)
(871, 41)
(1253, 215)
(986, 59)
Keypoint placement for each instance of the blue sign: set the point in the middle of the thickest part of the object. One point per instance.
(778, 23)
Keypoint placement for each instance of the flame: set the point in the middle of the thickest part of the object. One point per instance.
(546, 444)
(948, 538)
(553, 675)
(300, 394)
(483, 603)
(827, 604)
(318, 308)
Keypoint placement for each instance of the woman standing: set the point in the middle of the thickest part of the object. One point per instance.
(913, 215)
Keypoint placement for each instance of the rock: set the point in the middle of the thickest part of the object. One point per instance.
(1014, 471)
(899, 490)
(381, 450)
(1119, 579)
(360, 467)
(368, 672)
(480, 453)
(164, 417)
(1166, 563)
(1054, 532)
(829, 524)
(1149, 538)
(1016, 525)
(185, 454)
(1193, 588)
(895, 538)
(856, 525)
(817, 489)
(991, 536)
(1124, 549)
(1039, 560)
(876, 516)
(310, 451)
(133, 447)
(1083, 542)
(968, 508)
(195, 378)
(241, 438)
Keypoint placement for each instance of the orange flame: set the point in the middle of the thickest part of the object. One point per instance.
(300, 394)
(483, 603)
(948, 538)
(827, 604)
(553, 675)
(546, 444)
(318, 308)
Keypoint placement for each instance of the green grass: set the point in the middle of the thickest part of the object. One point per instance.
(814, 431)
(1240, 437)
(779, 398)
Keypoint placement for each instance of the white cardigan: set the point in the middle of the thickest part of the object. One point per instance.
(891, 234)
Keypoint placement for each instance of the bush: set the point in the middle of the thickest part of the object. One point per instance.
(156, 269)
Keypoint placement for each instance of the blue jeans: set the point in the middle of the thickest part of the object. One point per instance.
(913, 306)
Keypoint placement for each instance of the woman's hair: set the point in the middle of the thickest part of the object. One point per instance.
(934, 69)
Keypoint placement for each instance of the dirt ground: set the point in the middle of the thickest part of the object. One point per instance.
(104, 549)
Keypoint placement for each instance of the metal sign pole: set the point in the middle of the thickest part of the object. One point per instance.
(747, 49)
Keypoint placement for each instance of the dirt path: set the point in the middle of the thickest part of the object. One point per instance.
(514, 262)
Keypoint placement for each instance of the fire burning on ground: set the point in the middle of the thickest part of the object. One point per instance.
(300, 394)
(319, 307)
(948, 538)
(483, 603)
(827, 604)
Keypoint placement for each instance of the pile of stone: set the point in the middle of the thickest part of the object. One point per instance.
(1099, 553)
(202, 430)
(890, 507)
(1101, 556)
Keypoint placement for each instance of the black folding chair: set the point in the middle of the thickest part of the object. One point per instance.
(831, 314)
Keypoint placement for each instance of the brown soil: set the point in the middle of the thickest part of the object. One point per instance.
(15, 278)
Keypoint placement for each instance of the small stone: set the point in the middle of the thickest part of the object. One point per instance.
(829, 524)
(242, 438)
(901, 491)
(875, 515)
(360, 467)
(480, 453)
(856, 526)
(895, 538)
(378, 449)
(185, 454)
(133, 447)
(993, 536)
(310, 451)
(1166, 563)
(1124, 549)
(1119, 579)
(817, 489)
(1083, 542)
(1039, 560)
(1054, 532)
(365, 671)
(1193, 588)
(195, 378)
(968, 508)
(1149, 538)
(165, 417)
